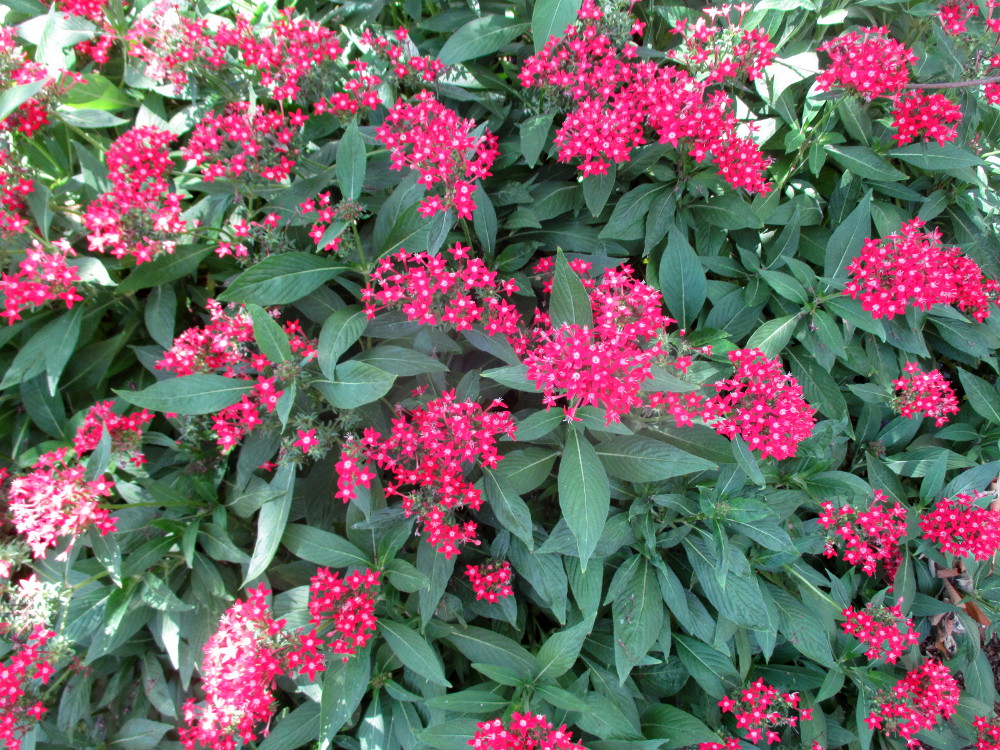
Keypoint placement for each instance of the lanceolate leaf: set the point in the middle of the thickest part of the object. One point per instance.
(570, 301)
(190, 394)
(584, 493)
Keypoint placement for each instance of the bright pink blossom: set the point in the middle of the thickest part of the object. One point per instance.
(918, 701)
(869, 63)
(523, 732)
(924, 394)
(962, 528)
(490, 580)
(885, 630)
(867, 536)
(925, 116)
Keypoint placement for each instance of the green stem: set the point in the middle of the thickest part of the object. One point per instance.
(361, 249)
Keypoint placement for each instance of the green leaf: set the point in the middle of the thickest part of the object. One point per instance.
(191, 394)
(847, 239)
(534, 136)
(139, 734)
(97, 92)
(413, 651)
(682, 278)
(271, 522)
(983, 397)
(526, 469)
(281, 279)
(675, 727)
(804, 627)
(480, 37)
(627, 221)
(772, 337)
(405, 577)
(163, 270)
(560, 651)
(818, 386)
(15, 96)
(338, 334)
(550, 18)
(597, 189)
(296, 729)
(486, 647)
(642, 459)
(747, 461)
(355, 384)
(343, 688)
(936, 158)
(449, 735)
(273, 341)
(728, 212)
(511, 511)
(471, 701)
(711, 669)
(44, 351)
(863, 162)
(638, 619)
(322, 547)
(400, 360)
(570, 302)
(584, 493)
(351, 162)
(89, 118)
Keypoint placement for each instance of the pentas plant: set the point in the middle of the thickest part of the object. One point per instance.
(962, 528)
(20, 705)
(866, 536)
(15, 185)
(348, 603)
(924, 394)
(721, 46)
(885, 630)
(490, 580)
(868, 63)
(32, 114)
(43, 276)
(761, 712)
(926, 116)
(919, 701)
(523, 732)
(913, 269)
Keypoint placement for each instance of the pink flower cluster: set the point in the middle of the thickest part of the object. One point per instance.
(988, 733)
(16, 70)
(403, 64)
(523, 732)
(175, 47)
(925, 394)
(251, 649)
(457, 291)
(426, 453)
(885, 630)
(242, 143)
(139, 216)
(603, 365)
(917, 702)
(919, 115)
(55, 501)
(868, 63)
(954, 14)
(962, 528)
(723, 50)
(912, 268)
(96, 12)
(19, 707)
(867, 536)
(41, 277)
(125, 432)
(348, 603)
(327, 212)
(434, 140)
(491, 580)
(225, 346)
(761, 711)
(612, 100)
(14, 186)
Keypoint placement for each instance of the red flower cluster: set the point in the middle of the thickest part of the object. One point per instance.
(604, 365)
(94, 11)
(41, 277)
(14, 186)
(175, 47)
(435, 290)
(869, 63)
(525, 732)
(360, 93)
(242, 660)
(348, 603)
(55, 501)
(760, 711)
(954, 14)
(19, 708)
(885, 630)
(346, 211)
(962, 528)
(427, 450)
(868, 536)
(434, 140)
(916, 702)
(125, 432)
(239, 143)
(988, 733)
(926, 116)
(139, 216)
(402, 63)
(224, 346)
(613, 100)
(924, 394)
(16, 70)
(491, 580)
(913, 268)
(723, 50)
